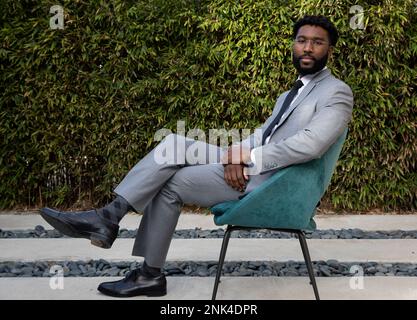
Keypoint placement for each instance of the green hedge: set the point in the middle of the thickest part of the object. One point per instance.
(80, 106)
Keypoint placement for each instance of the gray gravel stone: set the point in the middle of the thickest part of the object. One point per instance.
(40, 232)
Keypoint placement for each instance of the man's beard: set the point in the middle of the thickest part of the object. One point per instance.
(317, 66)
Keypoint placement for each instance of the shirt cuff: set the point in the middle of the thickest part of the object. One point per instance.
(256, 158)
(252, 156)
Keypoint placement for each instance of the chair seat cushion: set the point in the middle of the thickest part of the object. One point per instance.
(223, 207)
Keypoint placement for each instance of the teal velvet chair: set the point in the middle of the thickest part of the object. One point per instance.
(286, 202)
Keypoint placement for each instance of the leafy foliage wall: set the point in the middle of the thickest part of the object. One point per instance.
(80, 106)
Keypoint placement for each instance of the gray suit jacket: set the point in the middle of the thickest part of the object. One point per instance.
(313, 122)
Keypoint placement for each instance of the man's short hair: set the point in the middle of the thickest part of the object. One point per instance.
(320, 21)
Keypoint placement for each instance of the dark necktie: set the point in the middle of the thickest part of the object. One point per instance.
(288, 99)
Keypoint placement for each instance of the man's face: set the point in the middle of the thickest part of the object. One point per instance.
(311, 49)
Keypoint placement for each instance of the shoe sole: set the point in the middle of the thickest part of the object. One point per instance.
(133, 294)
(95, 239)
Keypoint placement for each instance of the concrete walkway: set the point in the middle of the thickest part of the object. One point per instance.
(231, 288)
(351, 250)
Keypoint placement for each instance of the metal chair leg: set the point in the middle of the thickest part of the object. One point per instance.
(225, 243)
(307, 259)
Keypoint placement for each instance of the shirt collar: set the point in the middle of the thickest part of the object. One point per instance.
(308, 77)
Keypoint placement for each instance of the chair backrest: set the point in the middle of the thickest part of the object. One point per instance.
(330, 159)
(288, 199)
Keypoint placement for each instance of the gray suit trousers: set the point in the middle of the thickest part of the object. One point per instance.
(177, 171)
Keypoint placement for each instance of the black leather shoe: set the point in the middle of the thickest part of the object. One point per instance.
(136, 283)
(84, 224)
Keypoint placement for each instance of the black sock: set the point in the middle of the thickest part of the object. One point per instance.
(115, 210)
(151, 271)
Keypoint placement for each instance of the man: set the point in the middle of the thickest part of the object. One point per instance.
(305, 122)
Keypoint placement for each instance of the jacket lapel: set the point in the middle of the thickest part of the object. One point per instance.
(320, 76)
